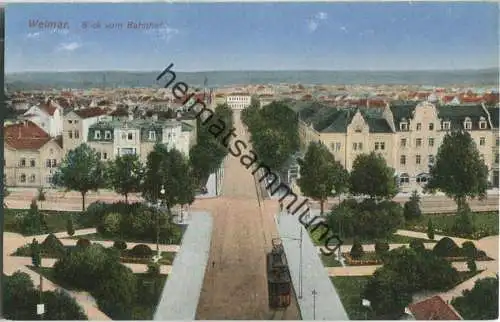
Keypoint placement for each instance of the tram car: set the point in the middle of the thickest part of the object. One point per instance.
(279, 282)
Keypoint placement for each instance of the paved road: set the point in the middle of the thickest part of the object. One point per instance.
(235, 285)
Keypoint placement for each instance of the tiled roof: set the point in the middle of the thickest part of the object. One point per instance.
(494, 114)
(434, 308)
(25, 136)
(457, 114)
(48, 107)
(90, 112)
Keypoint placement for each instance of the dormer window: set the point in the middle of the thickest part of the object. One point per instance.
(467, 124)
(107, 135)
(97, 135)
(482, 124)
(403, 126)
(446, 125)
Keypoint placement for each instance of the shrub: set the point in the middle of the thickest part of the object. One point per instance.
(446, 247)
(69, 227)
(412, 207)
(417, 245)
(469, 250)
(141, 250)
(381, 248)
(471, 265)
(154, 269)
(53, 246)
(430, 229)
(83, 243)
(463, 225)
(111, 223)
(356, 250)
(120, 245)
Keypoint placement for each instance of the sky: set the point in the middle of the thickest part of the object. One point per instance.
(253, 36)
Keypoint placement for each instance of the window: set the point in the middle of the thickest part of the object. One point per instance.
(22, 163)
(404, 179)
(76, 121)
(32, 178)
(357, 146)
(337, 146)
(379, 145)
(51, 151)
(97, 135)
(54, 163)
(418, 159)
(23, 178)
(402, 159)
(446, 125)
(70, 134)
(354, 146)
(431, 141)
(468, 125)
(124, 136)
(482, 141)
(497, 142)
(47, 163)
(105, 156)
(418, 142)
(70, 121)
(403, 126)
(360, 146)
(431, 159)
(130, 136)
(431, 126)
(99, 155)
(403, 143)
(107, 135)
(419, 126)
(482, 125)
(152, 135)
(32, 163)
(77, 134)
(496, 158)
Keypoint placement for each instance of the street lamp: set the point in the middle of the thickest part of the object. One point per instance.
(314, 293)
(300, 261)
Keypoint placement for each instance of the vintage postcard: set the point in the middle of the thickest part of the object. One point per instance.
(250, 161)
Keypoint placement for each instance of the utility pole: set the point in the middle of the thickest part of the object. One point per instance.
(314, 293)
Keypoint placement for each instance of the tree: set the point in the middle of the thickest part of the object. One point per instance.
(169, 172)
(479, 303)
(412, 207)
(81, 170)
(417, 245)
(430, 229)
(371, 176)
(459, 170)
(381, 248)
(36, 258)
(124, 174)
(41, 196)
(463, 225)
(469, 250)
(320, 175)
(61, 306)
(32, 222)
(69, 227)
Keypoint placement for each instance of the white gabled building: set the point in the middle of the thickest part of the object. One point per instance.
(48, 116)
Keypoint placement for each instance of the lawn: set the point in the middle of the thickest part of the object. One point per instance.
(486, 224)
(330, 260)
(143, 309)
(56, 220)
(392, 239)
(99, 237)
(351, 288)
(167, 257)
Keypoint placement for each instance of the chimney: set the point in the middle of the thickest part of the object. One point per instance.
(155, 116)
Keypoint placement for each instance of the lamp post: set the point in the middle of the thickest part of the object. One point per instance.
(300, 259)
(367, 304)
(162, 193)
(314, 293)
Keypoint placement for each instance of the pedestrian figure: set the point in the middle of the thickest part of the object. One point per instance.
(213, 264)
(281, 207)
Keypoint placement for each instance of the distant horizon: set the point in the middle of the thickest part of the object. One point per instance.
(255, 70)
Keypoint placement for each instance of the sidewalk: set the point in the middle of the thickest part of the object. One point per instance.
(179, 300)
(319, 300)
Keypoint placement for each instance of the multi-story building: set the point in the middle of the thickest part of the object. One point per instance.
(76, 124)
(115, 138)
(494, 120)
(406, 135)
(31, 155)
(48, 116)
(238, 101)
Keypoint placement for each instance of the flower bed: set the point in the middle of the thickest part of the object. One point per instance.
(362, 262)
(465, 258)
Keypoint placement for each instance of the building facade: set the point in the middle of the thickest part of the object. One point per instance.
(238, 101)
(31, 155)
(48, 116)
(408, 136)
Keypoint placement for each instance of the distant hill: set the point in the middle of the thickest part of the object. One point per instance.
(58, 80)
